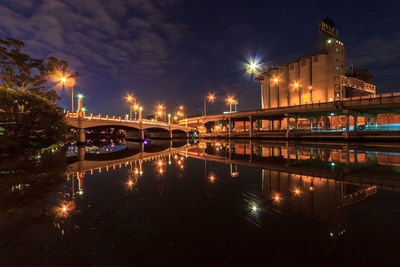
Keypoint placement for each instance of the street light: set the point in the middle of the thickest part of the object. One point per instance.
(140, 113)
(131, 99)
(211, 98)
(231, 101)
(67, 81)
(161, 111)
(253, 66)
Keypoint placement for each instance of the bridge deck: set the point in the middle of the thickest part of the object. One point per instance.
(379, 104)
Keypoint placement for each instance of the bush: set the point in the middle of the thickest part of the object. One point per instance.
(30, 119)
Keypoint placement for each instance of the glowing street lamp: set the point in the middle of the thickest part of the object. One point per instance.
(211, 98)
(132, 101)
(253, 66)
(67, 81)
(140, 113)
(161, 111)
(231, 101)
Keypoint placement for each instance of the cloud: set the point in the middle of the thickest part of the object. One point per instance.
(125, 37)
(379, 54)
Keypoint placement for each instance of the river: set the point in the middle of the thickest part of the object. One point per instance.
(202, 203)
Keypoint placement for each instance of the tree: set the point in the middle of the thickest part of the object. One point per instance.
(28, 110)
(30, 119)
(21, 72)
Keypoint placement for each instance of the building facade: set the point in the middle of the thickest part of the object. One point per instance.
(317, 77)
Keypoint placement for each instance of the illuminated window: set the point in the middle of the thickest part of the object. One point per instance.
(337, 50)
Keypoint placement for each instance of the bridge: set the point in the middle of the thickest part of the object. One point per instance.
(90, 165)
(368, 107)
(134, 129)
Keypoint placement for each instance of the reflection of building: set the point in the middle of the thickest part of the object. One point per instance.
(319, 76)
(317, 198)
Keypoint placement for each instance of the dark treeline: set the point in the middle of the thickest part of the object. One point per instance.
(29, 114)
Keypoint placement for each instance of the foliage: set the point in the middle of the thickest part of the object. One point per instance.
(30, 119)
(21, 72)
(28, 113)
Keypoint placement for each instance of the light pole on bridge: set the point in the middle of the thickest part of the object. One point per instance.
(210, 98)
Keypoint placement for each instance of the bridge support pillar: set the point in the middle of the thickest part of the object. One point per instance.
(251, 127)
(346, 134)
(287, 126)
(368, 122)
(137, 135)
(355, 123)
(81, 136)
(229, 127)
(376, 122)
(81, 152)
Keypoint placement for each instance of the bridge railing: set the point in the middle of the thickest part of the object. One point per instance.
(120, 119)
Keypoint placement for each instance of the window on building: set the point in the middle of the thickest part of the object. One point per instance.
(337, 60)
(337, 50)
(315, 59)
(342, 51)
(337, 68)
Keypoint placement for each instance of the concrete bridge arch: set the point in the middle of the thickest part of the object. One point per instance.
(135, 130)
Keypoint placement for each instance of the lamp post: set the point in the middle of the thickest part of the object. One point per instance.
(71, 82)
(132, 104)
(161, 110)
(210, 98)
(140, 113)
(231, 101)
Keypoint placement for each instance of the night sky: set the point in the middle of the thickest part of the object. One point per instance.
(175, 52)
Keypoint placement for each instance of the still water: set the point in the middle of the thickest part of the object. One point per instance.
(207, 203)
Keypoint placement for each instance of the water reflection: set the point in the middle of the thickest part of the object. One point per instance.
(159, 188)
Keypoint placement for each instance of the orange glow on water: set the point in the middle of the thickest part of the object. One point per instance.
(212, 178)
